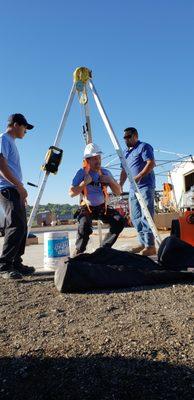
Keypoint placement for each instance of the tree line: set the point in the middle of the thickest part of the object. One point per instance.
(56, 209)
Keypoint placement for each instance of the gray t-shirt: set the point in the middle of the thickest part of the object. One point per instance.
(10, 152)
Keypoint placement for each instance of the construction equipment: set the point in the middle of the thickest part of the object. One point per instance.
(52, 159)
(83, 81)
(121, 204)
(183, 227)
(166, 198)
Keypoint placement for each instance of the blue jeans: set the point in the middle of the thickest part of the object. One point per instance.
(145, 235)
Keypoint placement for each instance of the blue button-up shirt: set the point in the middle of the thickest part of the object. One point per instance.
(136, 158)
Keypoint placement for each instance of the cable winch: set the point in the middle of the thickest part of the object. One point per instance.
(52, 159)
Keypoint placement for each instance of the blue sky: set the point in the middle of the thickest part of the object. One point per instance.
(141, 55)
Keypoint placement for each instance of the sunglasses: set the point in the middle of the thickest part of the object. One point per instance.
(128, 136)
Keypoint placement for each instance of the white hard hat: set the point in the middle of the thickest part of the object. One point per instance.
(92, 150)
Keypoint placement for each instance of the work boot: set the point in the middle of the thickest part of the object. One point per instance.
(12, 274)
(137, 249)
(148, 251)
(24, 269)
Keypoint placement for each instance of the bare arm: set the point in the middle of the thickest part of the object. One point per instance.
(123, 178)
(150, 164)
(115, 187)
(76, 190)
(7, 174)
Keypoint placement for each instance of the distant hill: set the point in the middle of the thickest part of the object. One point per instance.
(57, 209)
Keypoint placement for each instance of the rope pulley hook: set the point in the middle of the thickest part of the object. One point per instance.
(81, 76)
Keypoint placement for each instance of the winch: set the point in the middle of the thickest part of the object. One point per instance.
(52, 159)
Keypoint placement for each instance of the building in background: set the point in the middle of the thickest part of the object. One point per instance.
(45, 218)
(182, 178)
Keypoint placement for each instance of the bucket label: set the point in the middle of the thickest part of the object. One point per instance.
(58, 247)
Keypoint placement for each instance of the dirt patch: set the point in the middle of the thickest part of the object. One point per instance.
(128, 344)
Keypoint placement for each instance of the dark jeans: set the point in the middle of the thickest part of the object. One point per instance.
(15, 228)
(111, 217)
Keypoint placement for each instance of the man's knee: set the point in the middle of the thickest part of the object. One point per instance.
(84, 226)
(121, 224)
(118, 223)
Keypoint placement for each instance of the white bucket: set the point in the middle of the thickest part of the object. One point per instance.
(56, 249)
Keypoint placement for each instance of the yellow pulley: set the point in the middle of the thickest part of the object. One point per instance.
(82, 74)
(83, 98)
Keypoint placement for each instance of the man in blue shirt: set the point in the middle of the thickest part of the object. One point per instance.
(140, 160)
(13, 199)
(91, 182)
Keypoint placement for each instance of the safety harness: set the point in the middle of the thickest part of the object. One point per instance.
(86, 167)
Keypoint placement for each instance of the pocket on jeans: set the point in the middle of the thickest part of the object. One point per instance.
(5, 193)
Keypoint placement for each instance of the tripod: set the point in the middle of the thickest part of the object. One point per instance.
(83, 82)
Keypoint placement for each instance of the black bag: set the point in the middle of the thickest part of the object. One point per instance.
(175, 254)
(109, 269)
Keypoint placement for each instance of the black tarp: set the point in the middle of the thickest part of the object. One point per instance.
(175, 254)
(114, 269)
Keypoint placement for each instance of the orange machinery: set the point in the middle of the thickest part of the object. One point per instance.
(183, 227)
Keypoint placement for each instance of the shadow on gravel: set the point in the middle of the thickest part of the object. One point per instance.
(127, 290)
(37, 281)
(49, 277)
(95, 378)
(43, 273)
(39, 277)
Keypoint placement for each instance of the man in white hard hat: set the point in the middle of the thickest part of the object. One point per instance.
(91, 183)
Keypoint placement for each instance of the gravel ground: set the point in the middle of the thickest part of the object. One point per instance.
(128, 344)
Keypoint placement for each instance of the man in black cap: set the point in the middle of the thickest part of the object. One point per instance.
(13, 200)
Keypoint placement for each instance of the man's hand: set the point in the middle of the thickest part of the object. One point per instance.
(150, 164)
(87, 179)
(137, 178)
(76, 190)
(23, 193)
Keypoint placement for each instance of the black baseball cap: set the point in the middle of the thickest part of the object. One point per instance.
(20, 120)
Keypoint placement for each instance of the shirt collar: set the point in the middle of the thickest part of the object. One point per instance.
(128, 150)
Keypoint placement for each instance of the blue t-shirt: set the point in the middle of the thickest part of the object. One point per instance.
(95, 194)
(136, 158)
(10, 152)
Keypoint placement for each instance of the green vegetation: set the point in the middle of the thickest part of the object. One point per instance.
(56, 209)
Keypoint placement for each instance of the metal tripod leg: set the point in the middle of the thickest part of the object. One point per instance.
(100, 223)
(88, 122)
(56, 143)
(124, 163)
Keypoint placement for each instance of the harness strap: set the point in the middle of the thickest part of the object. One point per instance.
(85, 192)
(86, 167)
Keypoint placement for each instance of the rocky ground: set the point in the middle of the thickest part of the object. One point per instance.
(123, 345)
